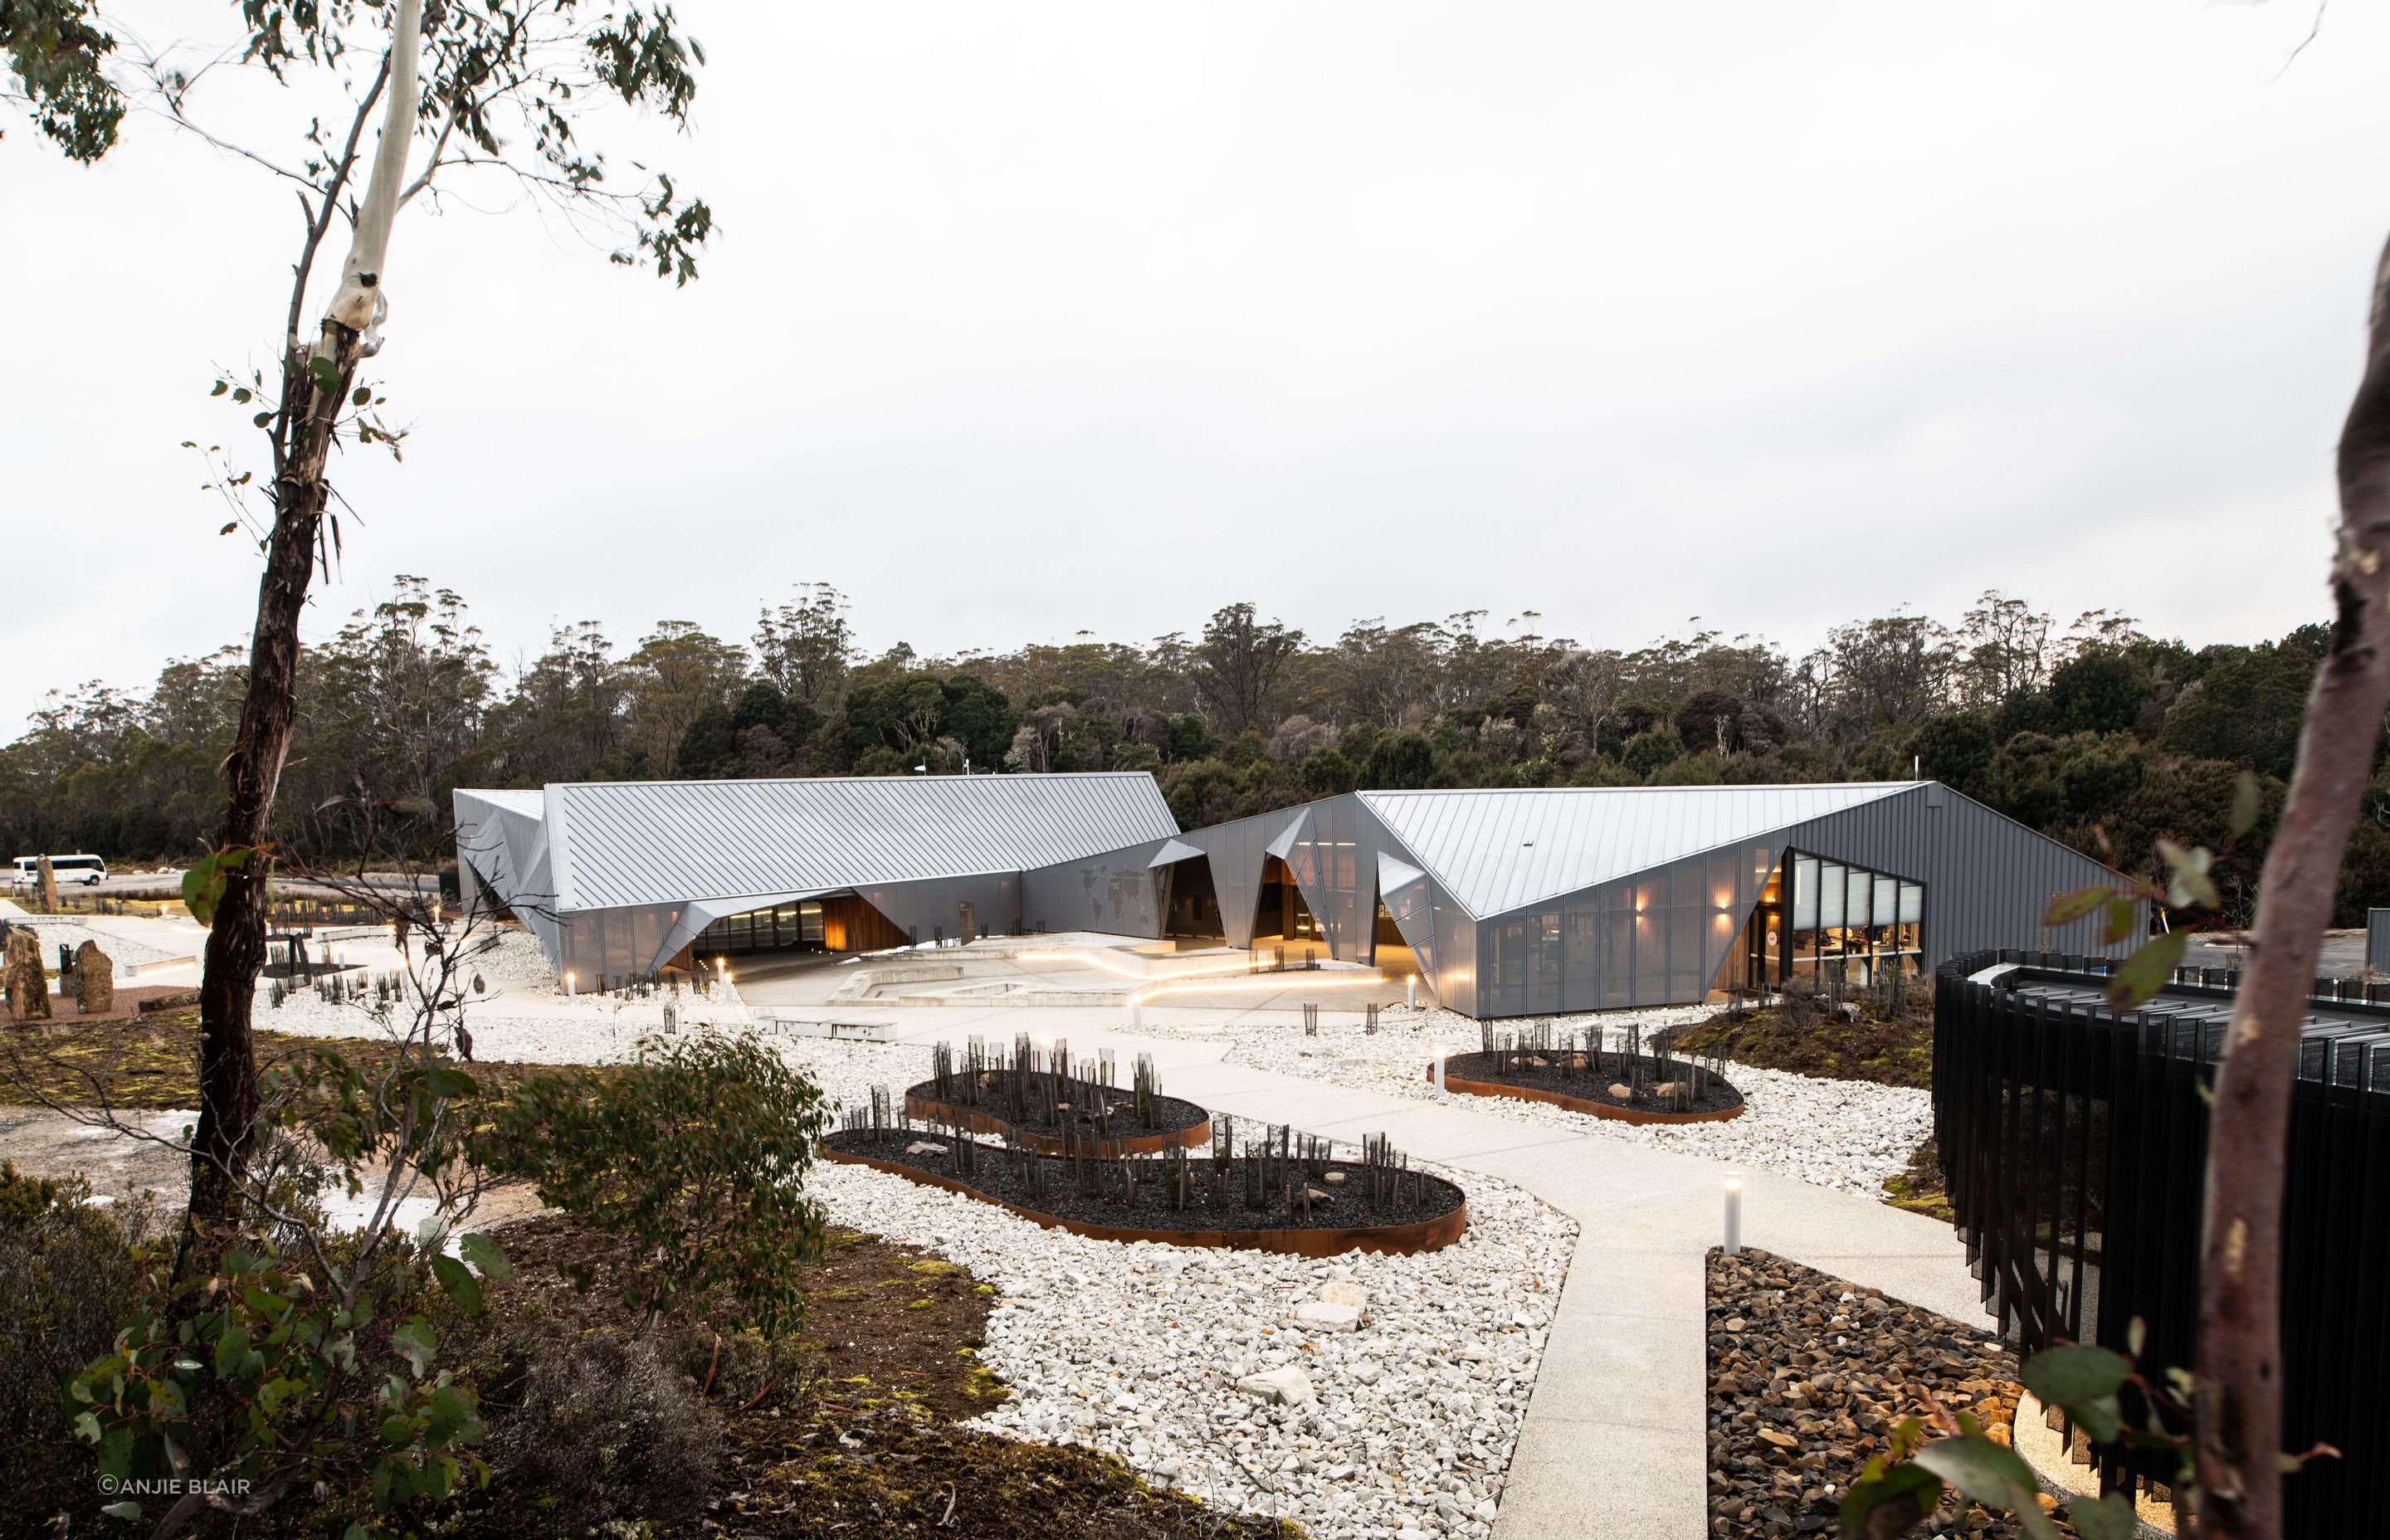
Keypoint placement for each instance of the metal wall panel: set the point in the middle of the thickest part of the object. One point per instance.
(1499, 850)
(926, 909)
(1118, 894)
(1988, 878)
(1659, 937)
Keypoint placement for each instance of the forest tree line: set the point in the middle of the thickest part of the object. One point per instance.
(2096, 733)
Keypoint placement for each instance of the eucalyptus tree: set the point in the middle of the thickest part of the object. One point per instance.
(494, 92)
(678, 670)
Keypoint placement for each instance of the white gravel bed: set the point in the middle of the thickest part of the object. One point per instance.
(1136, 1349)
(516, 961)
(1845, 1135)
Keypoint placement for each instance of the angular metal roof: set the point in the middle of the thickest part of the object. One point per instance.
(1495, 851)
(530, 804)
(617, 843)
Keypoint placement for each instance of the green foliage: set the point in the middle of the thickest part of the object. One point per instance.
(203, 884)
(1326, 772)
(1901, 1485)
(1189, 739)
(710, 745)
(71, 1272)
(1647, 750)
(2102, 691)
(56, 52)
(911, 715)
(698, 1155)
(1398, 761)
(2247, 703)
(1955, 749)
(265, 1371)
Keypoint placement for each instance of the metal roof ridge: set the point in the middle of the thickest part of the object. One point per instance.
(1012, 775)
(1710, 786)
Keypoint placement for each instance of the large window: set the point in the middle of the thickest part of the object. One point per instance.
(783, 927)
(1849, 919)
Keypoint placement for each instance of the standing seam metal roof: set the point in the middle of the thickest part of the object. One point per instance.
(1495, 851)
(618, 843)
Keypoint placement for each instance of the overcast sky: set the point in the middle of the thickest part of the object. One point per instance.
(1029, 319)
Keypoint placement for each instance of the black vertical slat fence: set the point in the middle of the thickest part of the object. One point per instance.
(2073, 1143)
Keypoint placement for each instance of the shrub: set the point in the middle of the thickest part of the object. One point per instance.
(601, 1431)
(698, 1156)
(269, 1373)
(69, 1270)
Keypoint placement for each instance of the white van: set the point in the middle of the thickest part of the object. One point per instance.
(86, 870)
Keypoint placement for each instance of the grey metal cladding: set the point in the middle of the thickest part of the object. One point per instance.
(1238, 852)
(624, 843)
(1497, 851)
(934, 906)
(1115, 892)
(1988, 878)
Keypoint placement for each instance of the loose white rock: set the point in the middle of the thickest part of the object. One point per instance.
(1287, 1387)
(1321, 1315)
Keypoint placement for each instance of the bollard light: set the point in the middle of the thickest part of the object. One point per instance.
(1439, 1072)
(1410, 990)
(1733, 1215)
(568, 983)
(1137, 1014)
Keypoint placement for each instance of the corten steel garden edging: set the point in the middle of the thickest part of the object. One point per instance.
(1579, 1104)
(928, 1108)
(1421, 1235)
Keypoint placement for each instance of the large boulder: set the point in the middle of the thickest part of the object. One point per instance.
(95, 979)
(22, 978)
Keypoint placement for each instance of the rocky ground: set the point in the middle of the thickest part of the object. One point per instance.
(1402, 1427)
(1408, 1420)
(1848, 1135)
(1807, 1376)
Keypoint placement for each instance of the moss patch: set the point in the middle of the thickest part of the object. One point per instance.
(1918, 1189)
(151, 1063)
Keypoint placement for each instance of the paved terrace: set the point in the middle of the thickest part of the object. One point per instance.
(1615, 1440)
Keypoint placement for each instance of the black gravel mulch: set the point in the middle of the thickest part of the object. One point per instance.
(1171, 1114)
(1807, 1376)
(1338, 1202)
(1566, 1072)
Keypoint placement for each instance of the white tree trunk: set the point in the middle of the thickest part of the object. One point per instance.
(359, 303)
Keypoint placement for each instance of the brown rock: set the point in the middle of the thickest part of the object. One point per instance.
(95, 979)
(20, 976)
(1620, 1091)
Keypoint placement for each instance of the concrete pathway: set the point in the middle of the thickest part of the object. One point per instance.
(1615, 1440)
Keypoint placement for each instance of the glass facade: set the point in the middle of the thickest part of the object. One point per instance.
(780, 928)
(1663, 937)
(1843, 917)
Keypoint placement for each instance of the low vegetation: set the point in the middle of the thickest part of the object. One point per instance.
(1802, 1032)
(150, 1063)
(592, 1415)
(685, 1349)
